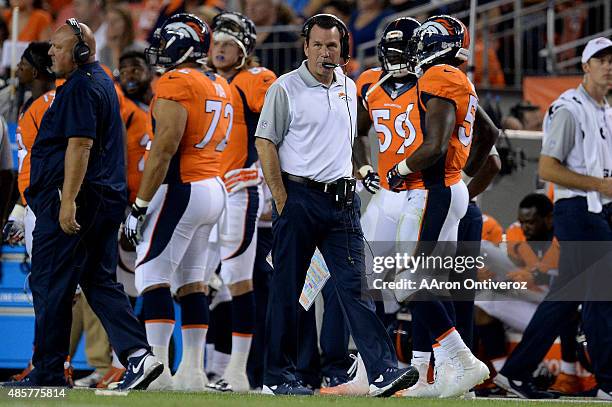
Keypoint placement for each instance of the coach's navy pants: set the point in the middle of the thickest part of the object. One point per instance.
(572, 223)
(334, 340)
(59, 263)
(311, 219)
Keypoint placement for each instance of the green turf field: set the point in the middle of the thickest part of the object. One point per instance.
(159, 399)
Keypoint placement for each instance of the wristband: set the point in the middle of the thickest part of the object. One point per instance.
(403, 169)
(363, 171)
(141, 203)
(18, 212)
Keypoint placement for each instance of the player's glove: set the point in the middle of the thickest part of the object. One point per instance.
(371, 179)
(13, 232)
(132, 227)
(395, 179)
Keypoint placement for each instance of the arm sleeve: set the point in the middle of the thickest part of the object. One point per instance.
(560, 137)
(79, 111)
(274, 119)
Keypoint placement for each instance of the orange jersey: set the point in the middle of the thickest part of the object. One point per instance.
(139, 130)
(393, 112)
(523, 255)
(491, 230)
(27, 129)
(207, 97)
(449, 83)
(249, 89)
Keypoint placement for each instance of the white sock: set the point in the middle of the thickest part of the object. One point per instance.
(420, 358)
(498, 363)
(137, 353)
(241, 345)
(208, 356)
(451, 341)
(194, 340)
(440, 355)
(220, 361)
(568, 368)
(116, 363)
(158, 336)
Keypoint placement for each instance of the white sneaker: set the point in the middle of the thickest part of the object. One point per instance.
(189, 379)
(444, 374)
(470, 372)
(163, 382)
(359, 386)
(89, 381)
(604, 395)
(237, 381)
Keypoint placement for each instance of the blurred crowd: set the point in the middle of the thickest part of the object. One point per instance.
(127, 25)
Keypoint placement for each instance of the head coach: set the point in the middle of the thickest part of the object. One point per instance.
(78, 193)
(304, 139)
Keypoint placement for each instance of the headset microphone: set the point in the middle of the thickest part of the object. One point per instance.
(331, 65)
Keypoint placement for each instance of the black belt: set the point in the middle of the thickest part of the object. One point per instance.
(319, 186)
(342, 190)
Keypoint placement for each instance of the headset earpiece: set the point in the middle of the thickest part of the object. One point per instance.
(80, 51)
(339, 24)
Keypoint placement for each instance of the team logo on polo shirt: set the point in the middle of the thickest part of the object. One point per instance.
(343, 96)
(263, 124)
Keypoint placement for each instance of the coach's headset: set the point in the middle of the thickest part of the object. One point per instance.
(330, 19)
(81, 51)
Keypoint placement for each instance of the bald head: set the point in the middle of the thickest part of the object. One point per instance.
(62, 43)
(88, 36)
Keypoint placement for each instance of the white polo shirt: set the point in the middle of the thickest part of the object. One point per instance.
(311, 125)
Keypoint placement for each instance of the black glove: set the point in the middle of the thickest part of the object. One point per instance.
(395, 179)
(371, 182)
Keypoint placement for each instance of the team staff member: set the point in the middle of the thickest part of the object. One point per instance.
(181, 194)
(231, 57)
(577, 157)
(78, 158)
(304, 140)
(384, 96)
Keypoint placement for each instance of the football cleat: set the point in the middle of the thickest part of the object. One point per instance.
(114, 375)
(358, 386)
(89, 381)
(190, 380)
(469, 373)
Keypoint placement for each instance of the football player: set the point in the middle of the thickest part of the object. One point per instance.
(234, 39)
(180, 196)
(35, 74)
(437, 198)
(385, 96)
